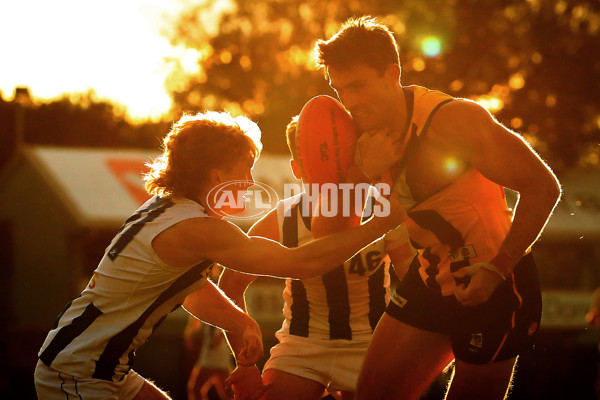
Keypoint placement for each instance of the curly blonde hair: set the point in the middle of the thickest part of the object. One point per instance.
(194, 146)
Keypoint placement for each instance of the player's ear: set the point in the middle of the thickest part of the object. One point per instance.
(392, 72)
(295, 169)
(214, 176)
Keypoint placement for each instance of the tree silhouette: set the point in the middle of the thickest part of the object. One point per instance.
(74, 120)
(534, 64)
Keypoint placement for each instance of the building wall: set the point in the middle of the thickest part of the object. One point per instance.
(40, 279)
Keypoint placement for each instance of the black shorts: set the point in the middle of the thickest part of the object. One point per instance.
(499, 329)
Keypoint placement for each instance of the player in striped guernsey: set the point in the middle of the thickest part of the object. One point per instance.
(329, 319)
(160, 258)
(472, 293)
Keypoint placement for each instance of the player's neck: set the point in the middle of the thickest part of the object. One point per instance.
(401, 124)
(399, 114)
(203, 200)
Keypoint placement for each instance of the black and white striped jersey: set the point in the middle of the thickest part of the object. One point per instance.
(345, 303)
(128, 296)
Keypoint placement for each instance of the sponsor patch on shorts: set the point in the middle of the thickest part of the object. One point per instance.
(398, 300)
(463, 253)
(476, 342)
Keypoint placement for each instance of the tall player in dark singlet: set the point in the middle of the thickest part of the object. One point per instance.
(471, 294)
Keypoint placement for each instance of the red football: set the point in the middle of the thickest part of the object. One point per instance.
(325, 140)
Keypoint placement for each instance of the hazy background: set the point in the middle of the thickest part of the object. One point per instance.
(80, 79)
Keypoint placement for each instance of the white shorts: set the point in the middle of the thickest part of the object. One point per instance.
(333, 363)
(55, 385)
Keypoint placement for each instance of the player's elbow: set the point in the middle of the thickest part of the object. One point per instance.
(547, 194)
(544, 188)
(552, 189)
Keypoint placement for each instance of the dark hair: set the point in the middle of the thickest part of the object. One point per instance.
(362, 40)
(195, 145)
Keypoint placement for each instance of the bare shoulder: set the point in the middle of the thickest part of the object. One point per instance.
(461, 118)
(209, 230)
(466, 128)
(192, 240)
(195, 227)
(461, 109)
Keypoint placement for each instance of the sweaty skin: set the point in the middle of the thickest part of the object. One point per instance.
(462, 134)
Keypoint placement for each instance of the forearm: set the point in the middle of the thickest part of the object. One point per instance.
(234, 285)
(322, 255)
(531, 214)
(211, 306)
(348, 215)
(399, 249)
(401, 258)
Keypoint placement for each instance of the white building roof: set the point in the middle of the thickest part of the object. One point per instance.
(100, 186)
(104, 186)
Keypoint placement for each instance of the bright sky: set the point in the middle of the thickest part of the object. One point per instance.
(114, 47)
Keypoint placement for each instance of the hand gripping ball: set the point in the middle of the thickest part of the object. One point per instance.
(325, 140)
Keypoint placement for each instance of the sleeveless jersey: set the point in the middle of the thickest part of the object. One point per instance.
(462, 224)
(130, 293)
(345, 303)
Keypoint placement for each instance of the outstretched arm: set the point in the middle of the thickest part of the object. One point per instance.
(210, 305)
(196, 239)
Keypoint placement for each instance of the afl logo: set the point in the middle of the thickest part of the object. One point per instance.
(241, 199)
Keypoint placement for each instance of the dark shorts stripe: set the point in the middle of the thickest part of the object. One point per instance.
(507, 321)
